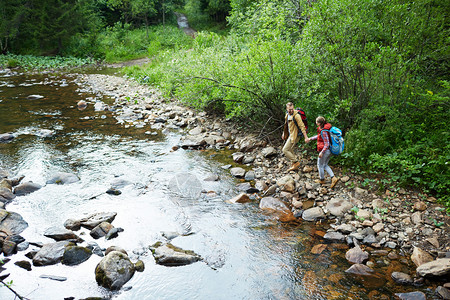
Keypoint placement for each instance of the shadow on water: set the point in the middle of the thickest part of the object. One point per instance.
(246, 254)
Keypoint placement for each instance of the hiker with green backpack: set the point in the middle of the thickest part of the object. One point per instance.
(292, 125)
(329, 141)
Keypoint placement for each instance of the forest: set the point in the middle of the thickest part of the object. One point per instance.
(377, 69)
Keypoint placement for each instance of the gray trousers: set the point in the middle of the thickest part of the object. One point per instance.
(322, 164)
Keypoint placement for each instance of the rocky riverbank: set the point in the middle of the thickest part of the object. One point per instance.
(395, 225)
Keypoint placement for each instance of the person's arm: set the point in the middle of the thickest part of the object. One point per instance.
(302, 127)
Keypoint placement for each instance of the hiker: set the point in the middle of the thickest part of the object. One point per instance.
(323, 147)
(293, 123)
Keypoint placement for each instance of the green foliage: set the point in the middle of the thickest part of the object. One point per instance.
(29, 62)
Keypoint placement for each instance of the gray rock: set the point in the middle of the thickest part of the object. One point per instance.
(11, 223)
(237, 172)
(212, 177)
(250, 175)
(272, 203)
(114, 270)
(356, 255)
(60, 234)
(334, 236)
(52, 277)
(22, 246)
(63, 178)
(75, 255)
(411, 296)
(193, 142)
(26, 188)
(50, 254)
(345, 228)
(268, 152)
(338, 206)
(360, 269)
(6, 194)
(402, 278)
(370, 239)
(72, 224)
(93, 220)
(248, 159)
(35, 97)
(438, 267)
(238, 157)
(443, 292)
(313, 214)
(6, 137)
(113, 233)
(101, 230)
(119, 183)
(242, 187)
(169, 255)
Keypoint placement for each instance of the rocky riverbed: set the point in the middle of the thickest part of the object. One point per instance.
(396, 224)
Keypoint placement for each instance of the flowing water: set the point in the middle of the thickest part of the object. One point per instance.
(246, 254)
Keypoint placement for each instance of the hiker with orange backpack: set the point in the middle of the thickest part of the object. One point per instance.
(323, 138)
(292, 125)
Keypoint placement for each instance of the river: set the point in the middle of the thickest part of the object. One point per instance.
(246, 254)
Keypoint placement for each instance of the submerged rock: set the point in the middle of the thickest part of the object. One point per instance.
(63, 178)
(114, 270)
(169, 255)
(411, 296)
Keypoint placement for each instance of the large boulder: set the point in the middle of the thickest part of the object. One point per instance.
(63, 178)
(438, 267)
(101, 230)
(6, 195)
(114, 270)
(60, 234)
(419, 256)
(6, 137)
(338, 206)
(313, 214)
(11, 223)
(75, 255)
(169, 255)
(93, 220)
(50, 254)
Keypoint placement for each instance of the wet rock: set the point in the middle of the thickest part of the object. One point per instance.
(237, 172)
(420, 256)
(356, 255)
(114, 270)
(60, 234)
(63, 178)
(101, 230)
(35, 97)
(93, 220)
(438, 267)
(317, 249)
(313, 214)
(272, 203)
(411, 296)
(24, 264)
(139, 266)
(360, 269)
(72, 224)
(9, 247)
(268, 152)
(338, 206)
(443, 292)
(53, 277)
(75, 255)
(169, 255)
(11, 223)
(6, 195)
(6, 137)
(193, 142)
(6, 183)
(212, 177)
(26, 188)
(81, 104)
(113, 191)
(402, 278)
(115, 248)
(334, 236)
(113, 233)
(241, 198)
(50, 254)
(45, 133)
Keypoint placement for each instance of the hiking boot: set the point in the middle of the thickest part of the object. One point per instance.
(334, 180)
(294, 167)
(321, 181)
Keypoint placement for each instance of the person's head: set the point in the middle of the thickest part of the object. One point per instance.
(320, 121)
(290, 108)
